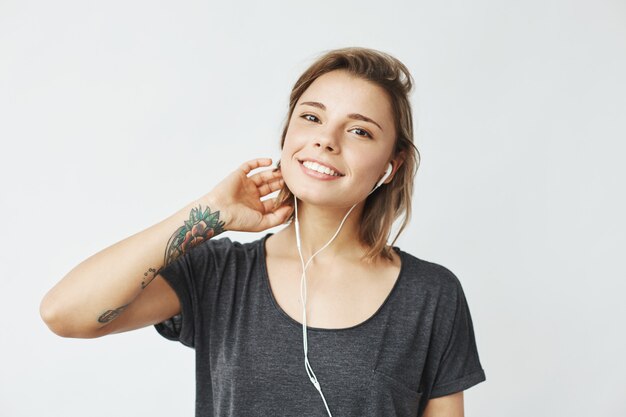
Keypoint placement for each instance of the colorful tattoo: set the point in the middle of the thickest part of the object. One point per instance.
(201, 226)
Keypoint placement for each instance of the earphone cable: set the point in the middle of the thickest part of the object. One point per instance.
(303, 295)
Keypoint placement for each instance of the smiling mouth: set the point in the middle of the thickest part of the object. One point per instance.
(322, 169)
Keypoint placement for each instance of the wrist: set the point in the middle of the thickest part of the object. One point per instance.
(213, 210)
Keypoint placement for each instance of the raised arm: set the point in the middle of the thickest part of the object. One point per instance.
(120, 289)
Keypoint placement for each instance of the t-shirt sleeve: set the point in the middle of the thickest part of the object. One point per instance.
(460, 366)
(189, 275)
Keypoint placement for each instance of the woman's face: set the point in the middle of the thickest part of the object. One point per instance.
(339, 141)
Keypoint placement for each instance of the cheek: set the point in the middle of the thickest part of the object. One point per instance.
(367, 165)
(291, 144)
(287, 162)
(286, 155)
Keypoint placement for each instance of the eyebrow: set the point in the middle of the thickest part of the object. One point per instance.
(355, 116)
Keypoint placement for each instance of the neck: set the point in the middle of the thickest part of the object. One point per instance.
(319, 224)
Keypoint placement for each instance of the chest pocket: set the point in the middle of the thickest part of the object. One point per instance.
(389, 397)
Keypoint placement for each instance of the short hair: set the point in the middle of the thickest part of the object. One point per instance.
(388, 203)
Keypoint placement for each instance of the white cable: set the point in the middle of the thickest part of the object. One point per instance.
(303, 297)
(307, 365)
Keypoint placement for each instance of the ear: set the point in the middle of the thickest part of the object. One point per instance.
(396, 162)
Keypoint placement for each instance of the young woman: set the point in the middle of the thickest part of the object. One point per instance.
(323, 317)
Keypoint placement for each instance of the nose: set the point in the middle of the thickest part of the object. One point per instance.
(325, 145)
(327, 141)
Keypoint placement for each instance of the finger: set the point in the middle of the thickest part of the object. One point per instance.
(262, 177)
(269, 205)
(255, 163)
(270, 187)
(275, 218)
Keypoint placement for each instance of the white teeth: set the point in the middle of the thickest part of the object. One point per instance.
(319, 168)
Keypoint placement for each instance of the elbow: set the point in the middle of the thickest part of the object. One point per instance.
(51, 316)
(54, 316)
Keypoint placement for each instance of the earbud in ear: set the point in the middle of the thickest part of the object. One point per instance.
(387, 174)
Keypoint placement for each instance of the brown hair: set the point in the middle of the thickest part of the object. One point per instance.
(392, 200)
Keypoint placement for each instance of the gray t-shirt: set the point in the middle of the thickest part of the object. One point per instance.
(419, 345)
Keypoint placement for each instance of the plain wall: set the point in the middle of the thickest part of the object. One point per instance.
(114, 115)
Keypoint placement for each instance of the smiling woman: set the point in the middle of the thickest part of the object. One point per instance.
(373, 88)
(388, 332)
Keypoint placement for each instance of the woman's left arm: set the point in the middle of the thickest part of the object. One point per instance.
(446, 406)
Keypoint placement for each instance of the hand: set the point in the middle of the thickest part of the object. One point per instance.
(238, 198)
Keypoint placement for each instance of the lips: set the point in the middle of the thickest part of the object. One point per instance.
(322, 167)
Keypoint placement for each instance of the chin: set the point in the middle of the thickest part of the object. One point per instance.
(318, 196)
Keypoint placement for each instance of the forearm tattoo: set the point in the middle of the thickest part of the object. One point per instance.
(201, 226)
(111, 315)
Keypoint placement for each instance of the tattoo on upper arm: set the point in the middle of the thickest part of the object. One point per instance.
(110, 315)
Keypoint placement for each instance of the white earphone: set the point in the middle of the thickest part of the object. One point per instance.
(387, 174)
(307, 365)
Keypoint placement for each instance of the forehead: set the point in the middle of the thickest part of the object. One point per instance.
(344, 93)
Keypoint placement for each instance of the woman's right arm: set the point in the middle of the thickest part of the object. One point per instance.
(120, 289)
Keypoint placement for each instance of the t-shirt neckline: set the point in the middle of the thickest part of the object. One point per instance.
(291, 320)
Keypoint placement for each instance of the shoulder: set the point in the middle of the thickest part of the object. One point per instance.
(430, 277)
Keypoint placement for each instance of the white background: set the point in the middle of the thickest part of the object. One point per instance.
(114, 115)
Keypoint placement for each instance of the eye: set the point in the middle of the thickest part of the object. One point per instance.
(314, 119)
(304, 116)
(367, 134)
